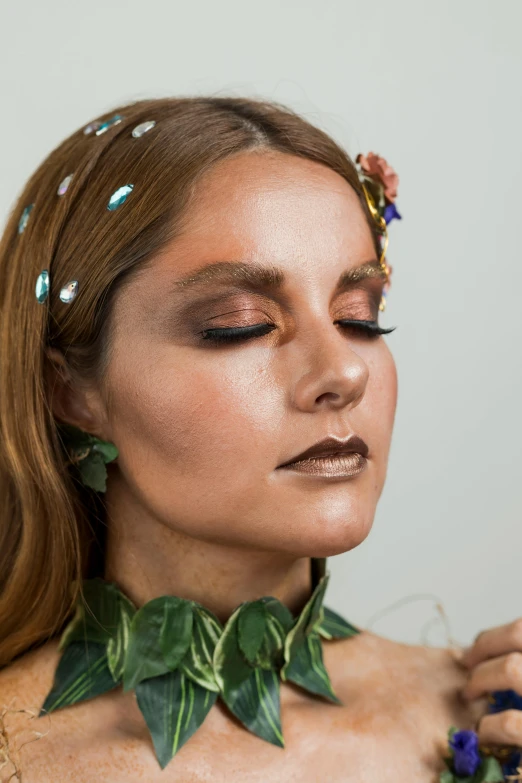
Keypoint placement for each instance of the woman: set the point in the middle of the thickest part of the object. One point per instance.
(209, 278)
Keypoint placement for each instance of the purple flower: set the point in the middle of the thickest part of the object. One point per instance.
(391, 212)
(466, 757)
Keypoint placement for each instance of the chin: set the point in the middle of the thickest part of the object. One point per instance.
(327, 537)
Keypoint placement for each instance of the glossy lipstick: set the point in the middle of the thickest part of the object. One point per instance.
(331, 457)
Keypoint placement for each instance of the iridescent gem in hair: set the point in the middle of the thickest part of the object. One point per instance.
(64, 185)
(69, 291)
(108, 124)
(119, 196)
(142, 128)
(25, 217)
(42, 286)
(92, 126)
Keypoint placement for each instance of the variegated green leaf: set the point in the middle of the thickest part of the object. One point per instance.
(251, 624)
(230, 666)
(251, 694)
(197, 663)
(311, 616)
(82, 673)
(270, 654)
(176, 631)
(97, 614)
(174, 707)
(144, 657)
(118, 644)
(255, 702)
(333, 626)
(281, 612)
(306, 668)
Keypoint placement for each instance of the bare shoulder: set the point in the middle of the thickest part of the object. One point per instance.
(416, 680)
(29, 678)
(23, 687)
(85, 742)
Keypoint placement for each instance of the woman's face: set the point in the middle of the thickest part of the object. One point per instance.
(201, 427)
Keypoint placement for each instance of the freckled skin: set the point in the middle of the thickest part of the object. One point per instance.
(198, 509)
(214, 424)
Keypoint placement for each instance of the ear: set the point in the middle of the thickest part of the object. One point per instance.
(70, 402)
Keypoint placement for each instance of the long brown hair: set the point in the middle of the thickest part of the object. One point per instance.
(51, 527)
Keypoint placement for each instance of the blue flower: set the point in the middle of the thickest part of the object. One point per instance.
(505, 700)
(391, 212)
(466, 757)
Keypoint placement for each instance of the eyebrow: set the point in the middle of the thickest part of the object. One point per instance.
(255, 276)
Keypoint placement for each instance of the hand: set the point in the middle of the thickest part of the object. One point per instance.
(494, 661)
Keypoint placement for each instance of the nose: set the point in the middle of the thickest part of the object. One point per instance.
(335, 375)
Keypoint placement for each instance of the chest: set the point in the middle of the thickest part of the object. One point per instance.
(380, 734)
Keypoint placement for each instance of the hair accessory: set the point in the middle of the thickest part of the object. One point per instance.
(379, 183)
(64, 185)
(108, 124)
(89, 454)
(24, 219)
(139, 130)
(42, 286)
(119, 197)
(69, 291)
(92, 126)
(179, 659)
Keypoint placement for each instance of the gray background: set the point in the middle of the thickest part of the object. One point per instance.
(434, 88)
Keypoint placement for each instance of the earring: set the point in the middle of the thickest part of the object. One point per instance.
(89, 454)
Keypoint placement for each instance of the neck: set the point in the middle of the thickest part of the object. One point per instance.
(148, 559)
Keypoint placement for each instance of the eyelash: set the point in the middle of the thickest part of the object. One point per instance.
(237, 334)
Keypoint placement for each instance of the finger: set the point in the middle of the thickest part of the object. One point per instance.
(502, 728)
(500, 640)
(498, 674)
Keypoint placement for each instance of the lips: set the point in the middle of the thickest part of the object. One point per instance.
(329, 447)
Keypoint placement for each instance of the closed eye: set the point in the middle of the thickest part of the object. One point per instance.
(243, 333)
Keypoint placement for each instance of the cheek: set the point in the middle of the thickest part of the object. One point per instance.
(193, 417)
(380, 400)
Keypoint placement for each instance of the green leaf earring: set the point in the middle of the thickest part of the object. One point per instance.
(89, 454)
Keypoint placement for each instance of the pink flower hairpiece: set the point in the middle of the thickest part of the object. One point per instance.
(380, 183)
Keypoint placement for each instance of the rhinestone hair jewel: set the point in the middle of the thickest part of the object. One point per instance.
(142, 128)
(108, 124)
(24, 218)
(42, 286)
(64, 185)
(119, 197)
(69, 292)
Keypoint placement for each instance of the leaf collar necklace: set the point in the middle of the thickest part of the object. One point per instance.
(179, 659)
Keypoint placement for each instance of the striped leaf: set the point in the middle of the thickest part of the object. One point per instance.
(251, 624)
(174, 707)
(311, 617)
(144, 657)
(230, 667)
(306, 668)
(333, 626)
(118, 644)
(270, 654)
(176, 630)
(256, 704)
(250, 693)
(97, 613)
(197, 663)
(82, 673)
(278, 610)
